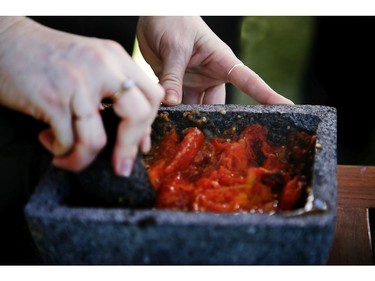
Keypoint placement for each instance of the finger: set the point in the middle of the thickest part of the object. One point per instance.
(192, 97)
(215, 95)
(91, 139)
(146, 141)
(136, 115)
(58, 139)
(89, 133)
(126, 148)
(171, 79)
(250, 83)
(121, 65)
(46, 137)
(212, 95)
(152, 91)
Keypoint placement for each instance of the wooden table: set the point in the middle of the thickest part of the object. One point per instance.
(352, 244)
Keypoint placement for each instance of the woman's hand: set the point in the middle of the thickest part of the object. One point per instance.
(61, 79)
(193, 64)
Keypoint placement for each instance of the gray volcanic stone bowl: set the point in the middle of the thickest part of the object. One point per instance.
(69, 227)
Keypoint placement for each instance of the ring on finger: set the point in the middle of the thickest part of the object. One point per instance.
(125, 86)
(231, 69)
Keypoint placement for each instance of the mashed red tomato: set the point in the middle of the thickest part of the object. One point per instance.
(241, 173)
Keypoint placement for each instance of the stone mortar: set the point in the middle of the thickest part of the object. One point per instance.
(67, 231)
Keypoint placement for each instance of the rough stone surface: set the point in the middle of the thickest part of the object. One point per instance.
(107, 189)
(70, 229)
(135, 191)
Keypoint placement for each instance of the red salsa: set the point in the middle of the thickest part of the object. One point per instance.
(242, 173)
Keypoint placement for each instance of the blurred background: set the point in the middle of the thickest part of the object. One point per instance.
(322, 60)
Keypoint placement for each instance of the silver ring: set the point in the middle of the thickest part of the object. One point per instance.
(230, 70)
(126, 85)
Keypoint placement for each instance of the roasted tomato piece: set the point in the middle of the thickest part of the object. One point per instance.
(168, 146)
(176, 194)
(187, 150)
(156, 173)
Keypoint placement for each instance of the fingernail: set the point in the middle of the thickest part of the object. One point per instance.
(171, 97)
(125, 167)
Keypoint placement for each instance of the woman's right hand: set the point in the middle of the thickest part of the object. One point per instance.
(61, 79)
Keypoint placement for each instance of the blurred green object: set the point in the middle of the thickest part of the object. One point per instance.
(276, 48)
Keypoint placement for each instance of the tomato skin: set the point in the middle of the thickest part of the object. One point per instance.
(156, 174)
(186, 151)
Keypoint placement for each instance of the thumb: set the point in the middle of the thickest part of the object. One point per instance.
(171, 79)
